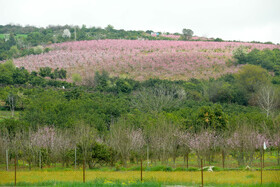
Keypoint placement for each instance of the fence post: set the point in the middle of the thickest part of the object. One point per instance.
(261, 168)
(147, 155)
(84, 176)
(201, 173)
(15, 170)
(141, 170)
(263, 158)
(7, 159)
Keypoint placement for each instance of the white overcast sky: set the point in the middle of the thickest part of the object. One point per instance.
(245, 20)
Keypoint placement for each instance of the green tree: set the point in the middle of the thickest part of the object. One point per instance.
(6, 72)
(187, 34)
(211, 118)
(20, 76)
(251, 77)
(45, 72)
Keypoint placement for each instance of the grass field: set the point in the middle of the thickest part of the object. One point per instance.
(8, 114)
(130, 177)
(18, 35)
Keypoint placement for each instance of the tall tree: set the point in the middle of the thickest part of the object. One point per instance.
(187, 33)
(267, 99)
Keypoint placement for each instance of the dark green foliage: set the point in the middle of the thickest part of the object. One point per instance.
(123, 86)
(267, 58)
(13, 125)
(37, 81)
(211, 118)
(58, 74)
(20, 76)
(35, 38)
(6, 72)
(98, 155)
(218, 40)
(102, 81)
(45, 72)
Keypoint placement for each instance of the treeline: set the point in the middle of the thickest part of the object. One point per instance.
(160, 140)
(11, 75)
(268, 59)
(17, 41)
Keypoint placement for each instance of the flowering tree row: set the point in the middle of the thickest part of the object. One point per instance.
(124, 142)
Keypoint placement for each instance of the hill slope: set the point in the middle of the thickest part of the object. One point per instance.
(141, 60)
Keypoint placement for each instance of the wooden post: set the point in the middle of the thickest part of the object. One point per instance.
(263, 158)
(84, 175)
(261, 169)
(7, 160)
(147, 155)
(141, 170)
(15, 170)
(201, 172)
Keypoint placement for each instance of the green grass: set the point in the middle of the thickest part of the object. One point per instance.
(102, 183)
(17, 36)
(4, 114)
(132, 177)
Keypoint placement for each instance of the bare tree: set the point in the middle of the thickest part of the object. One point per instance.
(158, 98)
(244, 142)
(124, 138)
(276, 144)
(12, 103)
(63, 144)
(164, 139)
(204, 144)
(267, 98)
(29, 148)
(85, 139)
(184, 142)
(4, 143)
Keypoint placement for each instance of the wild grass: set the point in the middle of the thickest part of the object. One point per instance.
(158, 177)
(18, 35)
(4, 114)
(101, 183)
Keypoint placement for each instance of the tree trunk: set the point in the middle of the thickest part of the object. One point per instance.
(29, 165)
(90, 165)
(148, 155)
(124, 161)
(278, 159)
(7, 160)
(223, 159)
(174, 159)
(187, 160)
